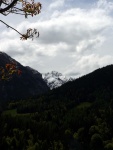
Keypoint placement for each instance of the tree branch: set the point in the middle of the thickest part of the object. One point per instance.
(8, 7)
(11, 27)
(13, 7)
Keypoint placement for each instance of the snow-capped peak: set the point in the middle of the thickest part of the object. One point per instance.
(55, 79)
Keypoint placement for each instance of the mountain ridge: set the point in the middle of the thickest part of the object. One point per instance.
(86, 88)
(26, 85)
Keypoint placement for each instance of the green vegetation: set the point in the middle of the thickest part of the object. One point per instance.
(41, 124)
(68, 118)
(11, 112)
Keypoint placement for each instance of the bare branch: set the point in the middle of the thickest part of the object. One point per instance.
(9, 6)
(13, 12)
(11, 27)
(13, 7)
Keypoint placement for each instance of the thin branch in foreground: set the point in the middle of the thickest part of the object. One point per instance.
(11, 27)
(30, 32)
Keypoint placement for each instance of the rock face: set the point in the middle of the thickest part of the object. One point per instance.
(55, 79)
(28, 84)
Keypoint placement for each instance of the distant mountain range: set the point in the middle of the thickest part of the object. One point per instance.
(30, 83)
(55, 79)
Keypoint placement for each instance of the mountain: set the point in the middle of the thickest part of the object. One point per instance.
(75, 116)
(28, 84)
(98, 83)
(55, 79)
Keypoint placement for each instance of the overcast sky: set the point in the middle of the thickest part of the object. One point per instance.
(76, 37)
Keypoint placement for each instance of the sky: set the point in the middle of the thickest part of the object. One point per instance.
(76, 37)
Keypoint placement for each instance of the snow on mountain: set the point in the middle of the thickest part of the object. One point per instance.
(55, 79)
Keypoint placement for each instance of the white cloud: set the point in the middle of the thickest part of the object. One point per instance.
(105, 4)
(69, 40)
(56, 4)
(85, 64)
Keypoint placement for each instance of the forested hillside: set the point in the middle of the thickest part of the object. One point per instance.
(76, 116)
(18, 81)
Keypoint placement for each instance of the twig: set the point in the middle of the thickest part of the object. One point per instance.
(8, 7)
(13, 7)
(11, 27)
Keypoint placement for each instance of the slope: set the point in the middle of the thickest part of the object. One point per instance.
(78, 115)
(98, 83)
(28, 84)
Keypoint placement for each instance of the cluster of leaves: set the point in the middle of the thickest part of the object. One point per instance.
(30, 34)
(31, 8)
(8, 71)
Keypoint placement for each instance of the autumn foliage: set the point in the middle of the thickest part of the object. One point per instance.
(10, 69)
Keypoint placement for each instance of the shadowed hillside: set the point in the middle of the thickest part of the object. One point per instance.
(99, 83)
(76, 116)
(28, 84)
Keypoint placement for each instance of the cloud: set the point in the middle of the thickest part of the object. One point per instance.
(69, 40)
(87, 64)
(75, 30)
(104, 4)
(56, 4)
